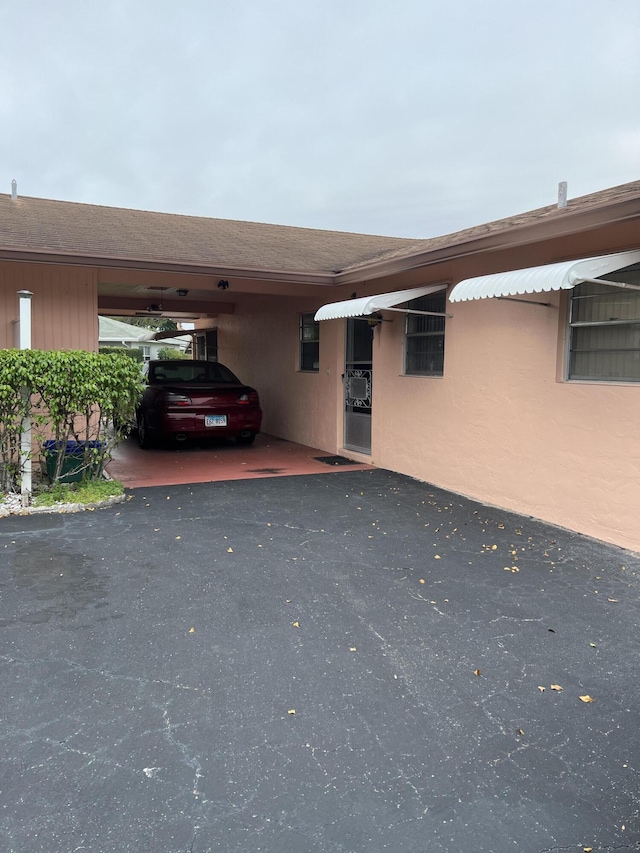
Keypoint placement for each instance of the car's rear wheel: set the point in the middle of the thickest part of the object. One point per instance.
(246, 438)
(145, 438)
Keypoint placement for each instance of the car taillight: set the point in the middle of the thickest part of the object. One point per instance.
(178, 399)
(250, 399)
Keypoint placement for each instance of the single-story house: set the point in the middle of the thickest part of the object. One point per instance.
(115, 333)
(501, 362)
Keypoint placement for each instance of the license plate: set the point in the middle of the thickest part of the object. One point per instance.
(215, 420)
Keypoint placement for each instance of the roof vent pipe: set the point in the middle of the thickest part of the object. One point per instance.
(14, 189)
(562, 194)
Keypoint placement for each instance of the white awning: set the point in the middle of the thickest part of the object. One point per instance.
(563, 276)
(366, 305)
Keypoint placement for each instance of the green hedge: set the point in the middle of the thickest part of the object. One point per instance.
(135, 353)
(70, 395)
(168, 353)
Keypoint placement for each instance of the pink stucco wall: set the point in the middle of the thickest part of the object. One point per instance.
(64, 305)
(260, 342)
(499, 426)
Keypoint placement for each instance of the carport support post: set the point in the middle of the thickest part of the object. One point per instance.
(24, 342)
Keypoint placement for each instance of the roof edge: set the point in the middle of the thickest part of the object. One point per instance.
(568, 222)
(48, 257)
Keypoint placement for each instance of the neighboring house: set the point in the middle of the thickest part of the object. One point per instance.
(452, 359)
(115, 333)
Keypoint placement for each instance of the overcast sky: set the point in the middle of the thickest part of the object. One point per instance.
(403, 117)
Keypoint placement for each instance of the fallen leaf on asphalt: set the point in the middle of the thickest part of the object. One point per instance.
(353, 649)
(556, 687)
(477, 672)
(613, 600)
(541, 689)
(292, 711)
(587, 698)
(494, 547)
(593, 645)
(519, 731)
(587, 849)
(192, 630)
(422, 580)
(178, 537)
(229, 550)
(296, 624)
(436, 557)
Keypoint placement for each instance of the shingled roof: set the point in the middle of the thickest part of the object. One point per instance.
(42, 227)
(91, 231)
(614, 204)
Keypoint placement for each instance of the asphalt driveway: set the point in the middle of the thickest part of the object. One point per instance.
(356, 663)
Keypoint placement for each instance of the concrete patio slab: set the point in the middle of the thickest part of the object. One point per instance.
(347, 664)
(214, 462)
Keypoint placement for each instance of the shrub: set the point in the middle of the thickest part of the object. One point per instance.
(70, 395)
(16, 371)
(171, 352)
(135, 352)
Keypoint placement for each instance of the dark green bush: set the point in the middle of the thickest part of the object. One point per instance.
(70, 395)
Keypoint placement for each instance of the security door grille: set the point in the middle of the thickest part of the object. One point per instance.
(358, 378)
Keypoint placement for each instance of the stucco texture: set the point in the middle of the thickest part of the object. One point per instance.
(64, 305)
(260, 342)
(502, 427)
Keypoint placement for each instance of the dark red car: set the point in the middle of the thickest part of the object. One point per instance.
(196, 399)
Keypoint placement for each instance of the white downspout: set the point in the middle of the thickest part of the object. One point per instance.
(24, 342)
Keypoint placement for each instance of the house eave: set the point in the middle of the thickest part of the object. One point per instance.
(49, 257)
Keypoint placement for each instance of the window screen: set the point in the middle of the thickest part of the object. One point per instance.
(605, 330)
(424, 337)
(309, 343)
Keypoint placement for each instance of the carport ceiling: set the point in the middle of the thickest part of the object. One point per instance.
(181, 302)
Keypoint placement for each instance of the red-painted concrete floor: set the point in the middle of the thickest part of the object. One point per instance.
(214, 462)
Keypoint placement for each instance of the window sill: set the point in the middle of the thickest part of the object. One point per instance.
(625, 383)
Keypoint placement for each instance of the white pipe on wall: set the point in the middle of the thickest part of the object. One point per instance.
(24, 342)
